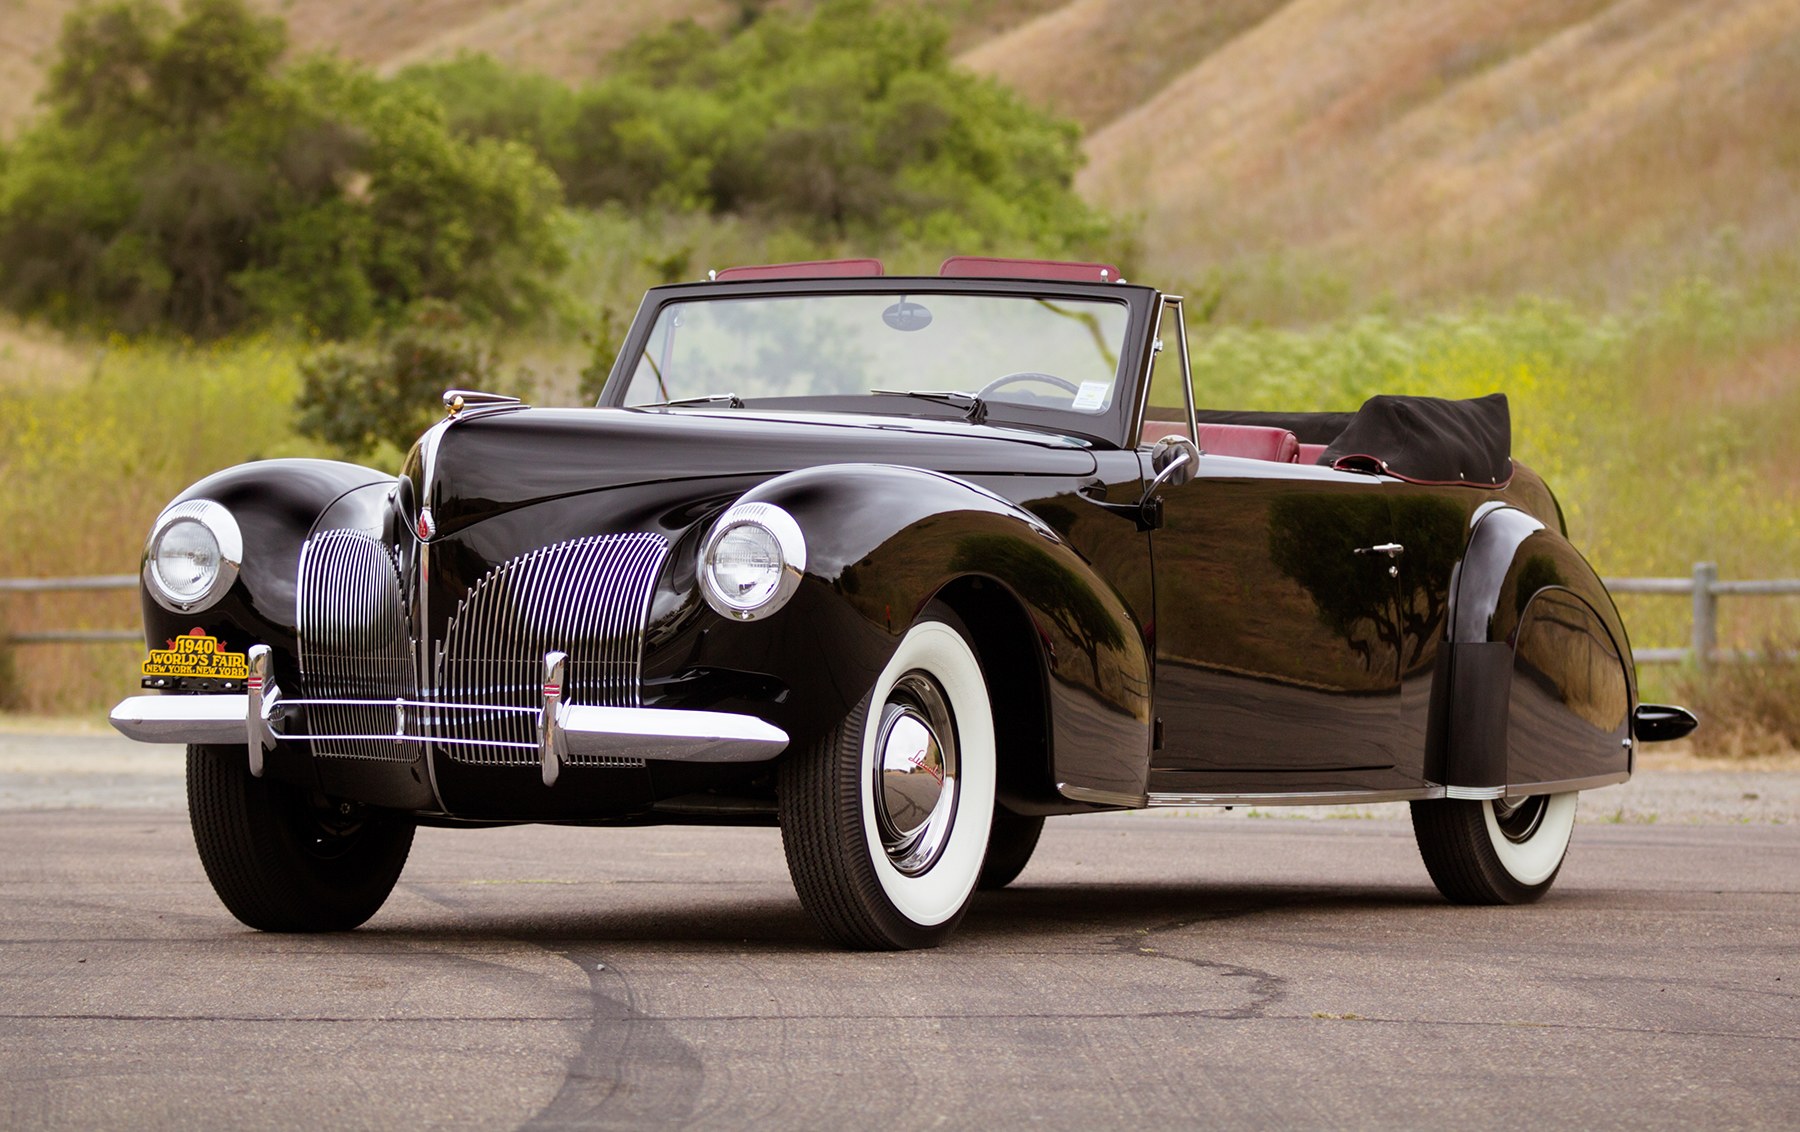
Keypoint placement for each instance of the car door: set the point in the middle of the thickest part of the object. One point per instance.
(1277, 636)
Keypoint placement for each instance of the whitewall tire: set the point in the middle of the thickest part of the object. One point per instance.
(1495, 851)
(885, 820)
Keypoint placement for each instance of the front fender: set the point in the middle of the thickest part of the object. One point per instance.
(276, 503)
(1540, 686)
(882, 543)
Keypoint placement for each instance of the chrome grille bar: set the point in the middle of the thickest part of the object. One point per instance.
(356, 654)
(588, 598)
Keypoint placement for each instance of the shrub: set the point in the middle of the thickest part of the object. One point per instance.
(1750, 707)
(360, 401)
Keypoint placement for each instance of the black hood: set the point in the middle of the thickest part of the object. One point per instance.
(494, 462)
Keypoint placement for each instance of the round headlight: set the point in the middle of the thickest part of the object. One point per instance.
(192, 556)
(752, 561)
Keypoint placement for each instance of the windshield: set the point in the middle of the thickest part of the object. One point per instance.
(1059, 353)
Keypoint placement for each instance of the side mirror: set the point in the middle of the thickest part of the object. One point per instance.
(1175, 459)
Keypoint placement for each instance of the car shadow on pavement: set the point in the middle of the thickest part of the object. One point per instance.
(1020, 914)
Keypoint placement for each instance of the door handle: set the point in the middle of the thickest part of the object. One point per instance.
(1391, 549)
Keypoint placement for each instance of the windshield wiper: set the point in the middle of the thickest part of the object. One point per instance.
(974, 408)
(731, 399)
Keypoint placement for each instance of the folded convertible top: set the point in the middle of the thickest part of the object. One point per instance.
(1429, 440)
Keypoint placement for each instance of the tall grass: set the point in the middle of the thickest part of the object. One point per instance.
(94, 439)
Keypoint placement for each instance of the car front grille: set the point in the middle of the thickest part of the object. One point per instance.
(588, 598)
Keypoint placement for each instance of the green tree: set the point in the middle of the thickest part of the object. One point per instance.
(849, 122)
(180, 180)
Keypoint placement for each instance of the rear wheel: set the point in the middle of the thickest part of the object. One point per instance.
(1497, 851)
(284, 860)
(885, 819)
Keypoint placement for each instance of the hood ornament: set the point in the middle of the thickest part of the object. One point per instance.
(456, 400)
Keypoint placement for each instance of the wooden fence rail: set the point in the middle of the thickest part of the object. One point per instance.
(1706, 589)
(1704, 586)
(65, 585)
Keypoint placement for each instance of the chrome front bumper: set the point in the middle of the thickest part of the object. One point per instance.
(564, 729)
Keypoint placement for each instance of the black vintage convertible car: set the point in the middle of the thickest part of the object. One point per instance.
(903, 565)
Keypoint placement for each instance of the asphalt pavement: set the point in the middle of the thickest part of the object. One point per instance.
(1154, 970)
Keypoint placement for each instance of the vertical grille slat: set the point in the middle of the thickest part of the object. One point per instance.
(587, 597)
(354, 642)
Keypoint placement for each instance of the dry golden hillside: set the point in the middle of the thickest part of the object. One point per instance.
(1485, 144)
(1093, 60)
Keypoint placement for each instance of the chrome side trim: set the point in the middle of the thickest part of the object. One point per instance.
(1101, 797)
(1563, 786)
(1320, 798)
(1474, 793)
(182, 719)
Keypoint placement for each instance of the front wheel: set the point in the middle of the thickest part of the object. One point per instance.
(885, 819)
(283, 860)
(1496, 851)
(1010, 845)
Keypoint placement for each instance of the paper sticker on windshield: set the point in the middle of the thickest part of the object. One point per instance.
(1091, 396)
(197, 655)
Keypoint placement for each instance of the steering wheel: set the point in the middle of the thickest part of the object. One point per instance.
(1068, 387)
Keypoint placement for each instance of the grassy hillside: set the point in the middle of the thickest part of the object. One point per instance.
(1096, 60)
(1453, 145)
(566, 38)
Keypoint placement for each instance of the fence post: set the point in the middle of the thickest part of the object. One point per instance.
(1706, 613)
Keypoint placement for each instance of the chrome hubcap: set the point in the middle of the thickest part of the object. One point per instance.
(1519, 818)
(915, 783)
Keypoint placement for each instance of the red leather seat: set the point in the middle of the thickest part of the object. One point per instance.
(1310, 453)
(1250, 442)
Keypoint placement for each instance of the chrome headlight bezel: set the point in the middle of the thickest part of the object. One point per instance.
(216, 520)
(791, 544)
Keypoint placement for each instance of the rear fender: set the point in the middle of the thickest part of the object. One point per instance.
(1537, 689)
